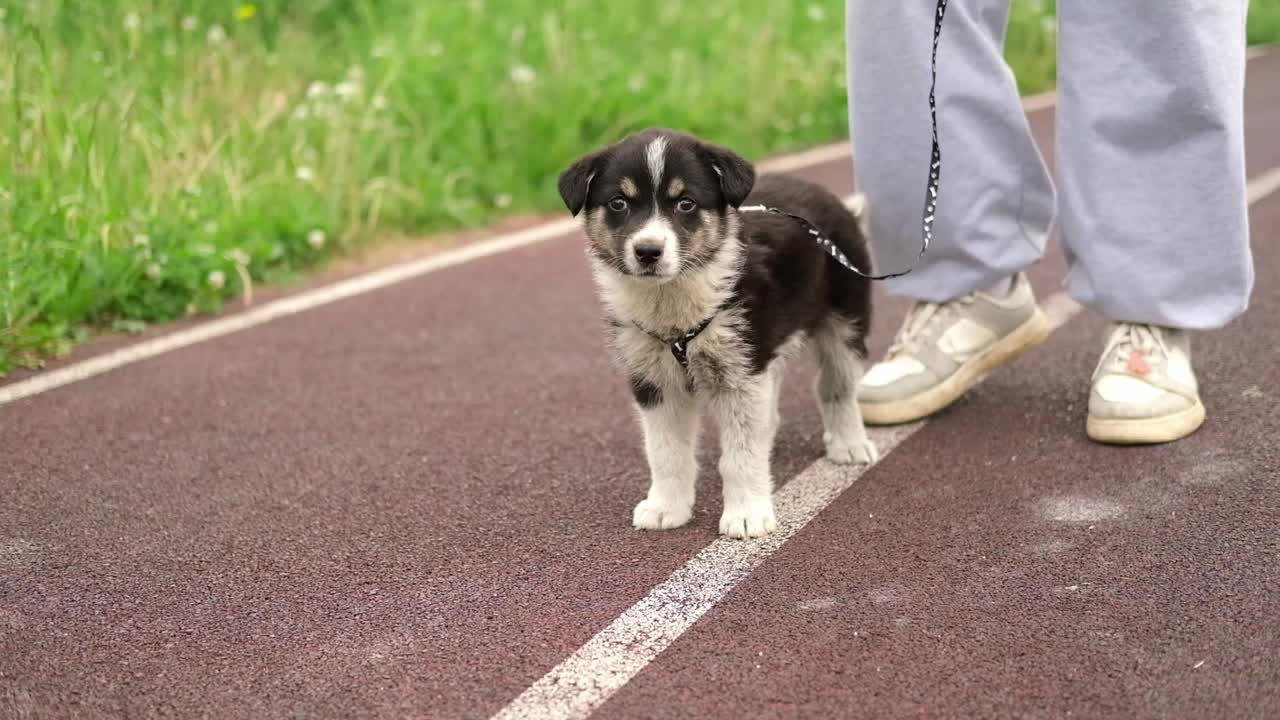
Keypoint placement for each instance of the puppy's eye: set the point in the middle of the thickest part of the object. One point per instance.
(686, 205)
(617, 204)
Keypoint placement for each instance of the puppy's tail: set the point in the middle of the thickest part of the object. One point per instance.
(861, 210)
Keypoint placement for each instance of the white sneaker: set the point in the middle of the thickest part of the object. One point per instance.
(1144, 389)
(943, 349)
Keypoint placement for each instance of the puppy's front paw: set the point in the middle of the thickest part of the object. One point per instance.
(852, 451)
(658, 515)
(750, 519)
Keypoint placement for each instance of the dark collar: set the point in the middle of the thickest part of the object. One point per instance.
(680, 344)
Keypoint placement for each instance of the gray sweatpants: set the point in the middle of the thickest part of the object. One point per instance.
(1150, 190)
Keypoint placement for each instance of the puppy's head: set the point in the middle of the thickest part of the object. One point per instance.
(657, 203)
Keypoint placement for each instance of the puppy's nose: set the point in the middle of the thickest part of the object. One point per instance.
(648, 253)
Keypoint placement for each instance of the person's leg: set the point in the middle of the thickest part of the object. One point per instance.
(996, 199)
(995, 202)
(1154, 210)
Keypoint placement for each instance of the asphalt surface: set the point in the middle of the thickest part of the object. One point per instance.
(415, 502)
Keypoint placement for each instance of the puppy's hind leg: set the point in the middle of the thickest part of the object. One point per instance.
(839, 372)
(670, 426)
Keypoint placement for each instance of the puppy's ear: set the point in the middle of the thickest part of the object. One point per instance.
(575, 181)
(737, 176)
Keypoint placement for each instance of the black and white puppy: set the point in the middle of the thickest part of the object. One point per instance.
(706, 296)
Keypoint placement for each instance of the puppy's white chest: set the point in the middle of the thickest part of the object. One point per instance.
(716, 359)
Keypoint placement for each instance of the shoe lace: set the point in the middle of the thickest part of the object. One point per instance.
(1128, 338)
(921, 318)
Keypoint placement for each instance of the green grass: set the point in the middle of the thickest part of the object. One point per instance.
(1264, 22)
(157, 160)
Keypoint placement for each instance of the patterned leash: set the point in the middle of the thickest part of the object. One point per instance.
(931, 189)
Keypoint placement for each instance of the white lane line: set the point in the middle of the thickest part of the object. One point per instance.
(1043, 101)
(608, 661)
(1263, 185)
(358, 285)
(292, 305)
(806, 158)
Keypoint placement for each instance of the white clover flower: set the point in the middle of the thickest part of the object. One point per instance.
(304, 173)
(318, 89)
(316, 239)
(217, 279)
(153, 271)
(216, 35)
(379, 102)
(502, 200)
(816, 13)
(141, 240)
(132, 21)
(189, 23)
(347, 90)
(523, 74)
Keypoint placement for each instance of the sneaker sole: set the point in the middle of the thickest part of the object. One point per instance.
(1027, 336)
(1146, 431)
